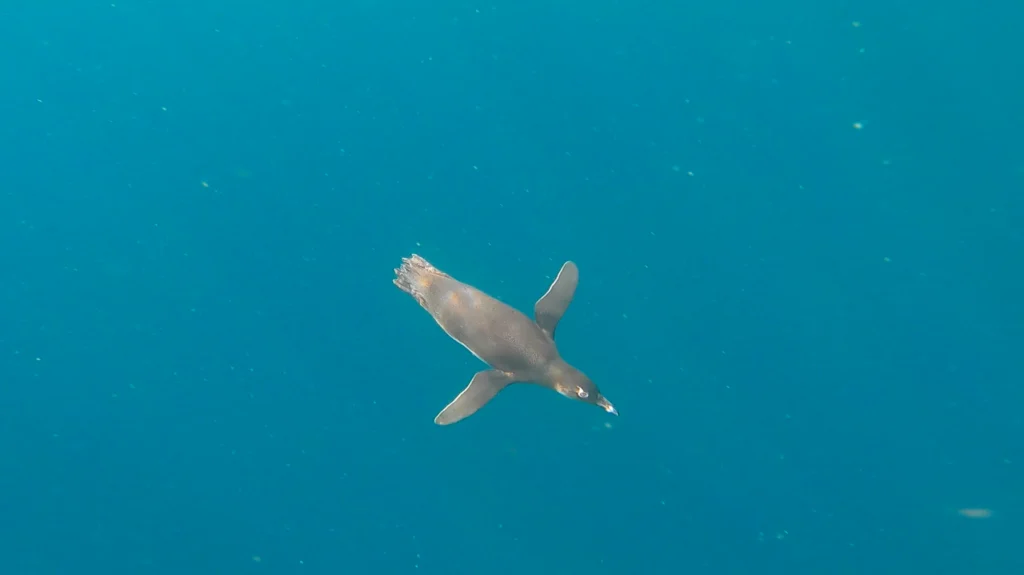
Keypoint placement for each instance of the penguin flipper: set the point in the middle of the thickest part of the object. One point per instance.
(551, 306)
(483, 387)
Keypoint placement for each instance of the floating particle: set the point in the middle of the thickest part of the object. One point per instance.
(975, 512)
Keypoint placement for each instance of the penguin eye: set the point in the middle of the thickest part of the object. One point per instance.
(582, 394)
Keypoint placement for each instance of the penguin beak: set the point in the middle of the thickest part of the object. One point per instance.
(604, 403)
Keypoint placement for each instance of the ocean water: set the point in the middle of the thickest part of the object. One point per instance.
(799, 228)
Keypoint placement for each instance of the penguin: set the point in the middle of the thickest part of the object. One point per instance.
(517, 349)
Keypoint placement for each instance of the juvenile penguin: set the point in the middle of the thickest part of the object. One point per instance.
(517, 349)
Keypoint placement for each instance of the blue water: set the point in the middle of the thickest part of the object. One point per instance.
(799, 228)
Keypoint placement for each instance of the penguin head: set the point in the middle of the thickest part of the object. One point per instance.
(576, 385)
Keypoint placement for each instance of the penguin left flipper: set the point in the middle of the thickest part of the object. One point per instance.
(481, 389)
(550, 308)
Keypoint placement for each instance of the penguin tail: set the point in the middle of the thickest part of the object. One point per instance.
(414, 277)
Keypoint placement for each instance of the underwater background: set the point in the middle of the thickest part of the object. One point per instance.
(799, 228)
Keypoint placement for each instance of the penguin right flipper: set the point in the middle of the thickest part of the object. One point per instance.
(551, 306)
(484, 386)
